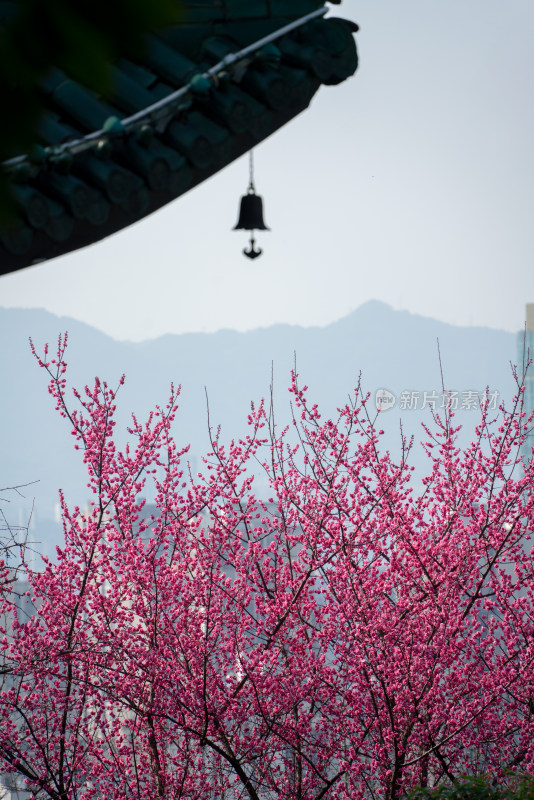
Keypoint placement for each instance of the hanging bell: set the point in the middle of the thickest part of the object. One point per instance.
(251, 213)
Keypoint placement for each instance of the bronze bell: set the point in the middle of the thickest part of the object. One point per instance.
(251, 213)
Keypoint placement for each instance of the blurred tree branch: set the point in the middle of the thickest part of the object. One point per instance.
(81, 38)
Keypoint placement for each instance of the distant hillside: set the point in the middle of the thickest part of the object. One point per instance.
(391, 349)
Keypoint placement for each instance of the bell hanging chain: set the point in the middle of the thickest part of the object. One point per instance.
(251, 189)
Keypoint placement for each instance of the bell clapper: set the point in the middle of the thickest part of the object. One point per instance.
(251, 252)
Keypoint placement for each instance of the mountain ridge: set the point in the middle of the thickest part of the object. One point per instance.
(392, 350)
(369, 305)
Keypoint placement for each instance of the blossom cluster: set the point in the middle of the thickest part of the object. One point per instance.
(344, 637)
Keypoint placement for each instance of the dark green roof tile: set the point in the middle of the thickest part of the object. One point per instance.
(95, 170)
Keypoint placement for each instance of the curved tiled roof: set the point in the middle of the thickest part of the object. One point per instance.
(207, 91)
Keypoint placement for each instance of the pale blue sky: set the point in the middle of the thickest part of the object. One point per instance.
(411, 183)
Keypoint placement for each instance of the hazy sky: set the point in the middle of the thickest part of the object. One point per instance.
(411, 183)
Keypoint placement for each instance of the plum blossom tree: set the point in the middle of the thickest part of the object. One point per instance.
(345, 636)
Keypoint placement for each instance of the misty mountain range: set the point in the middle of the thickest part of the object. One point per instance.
(392, 350)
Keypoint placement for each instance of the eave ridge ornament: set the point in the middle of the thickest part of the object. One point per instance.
(160, 113)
